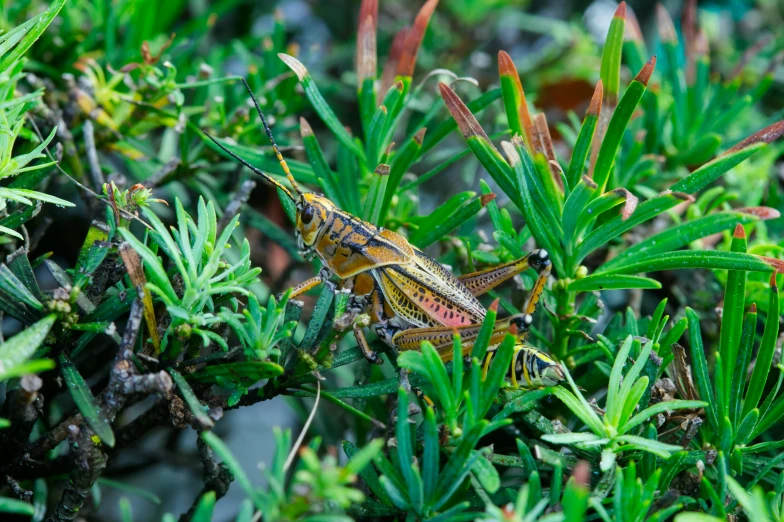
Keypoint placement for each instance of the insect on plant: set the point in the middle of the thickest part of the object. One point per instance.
(409, 297)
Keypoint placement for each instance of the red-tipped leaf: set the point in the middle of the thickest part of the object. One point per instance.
(767, 135)
(466, 121)
(666, 27)
(407, 63)
(390, 66)
(508, 73)
(366, 41)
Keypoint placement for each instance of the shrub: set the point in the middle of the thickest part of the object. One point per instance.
(659, 210)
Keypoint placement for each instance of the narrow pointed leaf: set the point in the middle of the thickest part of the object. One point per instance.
(85, 401)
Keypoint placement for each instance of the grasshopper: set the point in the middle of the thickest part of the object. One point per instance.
(409, 297)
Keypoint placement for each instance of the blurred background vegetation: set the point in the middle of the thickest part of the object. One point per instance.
(129, 84)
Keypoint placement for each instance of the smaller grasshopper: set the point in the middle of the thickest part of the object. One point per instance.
(409, 297)
(531, 368)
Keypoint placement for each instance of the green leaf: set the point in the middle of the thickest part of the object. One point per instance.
(679, 236)
(759, 375)
(400, 164)
(321, 106)
(435, 229)
(153, 266)
(746, 427)
(711, 171)
(245, 372)
(42, 21)
(619, 121)
(480, 144)
(610, 71)
(16, 507)
(580, 408)
(203, 512)
(220, 448)
(46, 198)
(485, 473)
(320, 165)
(482, 342)
(632, 399)
(693, 259)
(40, 496)
(317, 319)
(604, 203)
(367, 472)
(19, 218)
(583, 144)
(374, 200)
(614, 385)
(374, 389)
(542, 226)
(436, 372)
(15, 351)
(27, 368)
(86, 402)
(449, 125)
(190, 399)
(701, 150)
(572, 438)
(658, 408)
(657, 448)
(741, 366)
(458, 466)
(618, 225)
(513, 95)
(732, 322)
(11, 285)
(700, 369)
(499, 367)
(430, 455)
(133, 490)
(612, 282)
(405, 452)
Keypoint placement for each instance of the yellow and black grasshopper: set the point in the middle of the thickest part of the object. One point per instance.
(409, 297)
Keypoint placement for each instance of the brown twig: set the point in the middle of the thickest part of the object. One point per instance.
(238, 199)
(89, 461)
(22, 407)
(217, 477)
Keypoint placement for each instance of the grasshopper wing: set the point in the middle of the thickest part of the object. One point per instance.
(426, 294)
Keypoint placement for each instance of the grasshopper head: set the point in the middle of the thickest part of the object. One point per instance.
(313, 211)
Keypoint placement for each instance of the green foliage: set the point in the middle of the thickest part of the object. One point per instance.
(198, 253)
(624, 393)
(660, 212)
(317, 488)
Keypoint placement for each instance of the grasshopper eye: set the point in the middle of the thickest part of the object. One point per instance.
(307, 215)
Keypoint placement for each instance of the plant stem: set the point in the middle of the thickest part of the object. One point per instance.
(564, 308)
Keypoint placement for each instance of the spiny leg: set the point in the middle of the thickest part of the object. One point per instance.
(537, 290)
(313, 282)
(306, 285)
(369, 354)
(441, 336)
(481, 282)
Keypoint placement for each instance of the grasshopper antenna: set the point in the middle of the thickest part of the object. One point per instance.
(252, 168)
(275, 148)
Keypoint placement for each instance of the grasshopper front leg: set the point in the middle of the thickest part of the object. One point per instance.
(313, 282)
